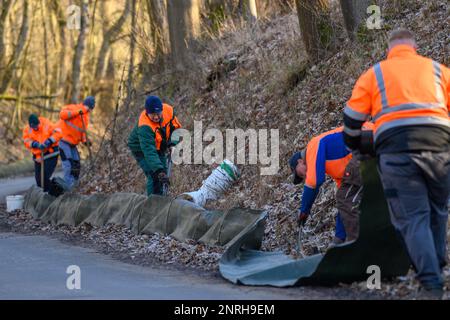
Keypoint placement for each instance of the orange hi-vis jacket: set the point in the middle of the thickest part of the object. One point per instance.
(326, 154)
(403, 90)
(318, 164)
(169, 122)
(71, 123)
(46, 130)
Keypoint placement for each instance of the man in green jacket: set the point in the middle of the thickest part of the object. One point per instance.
(149, 142)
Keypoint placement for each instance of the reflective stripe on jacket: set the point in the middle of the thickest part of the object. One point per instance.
(71, 123)
(46, 130)
(403, 90)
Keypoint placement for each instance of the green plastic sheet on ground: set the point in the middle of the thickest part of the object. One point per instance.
(241, 231)
(178, 218)
(378, 244)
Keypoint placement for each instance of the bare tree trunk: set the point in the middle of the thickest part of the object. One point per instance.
(111, 69)
(132, 48)
(12, 64)
(107, 96)
(19, 75)
(54, 57)
(45, 44)
(354, 12)
(79, 51)
(159, 26)
(4, 9)
(62, 40)
(315, 26)
(90, 57)
(184, 27)
(250, 10)
(108, 39)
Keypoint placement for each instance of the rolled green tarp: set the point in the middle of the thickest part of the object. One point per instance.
(241, 231)
(378, 244)
(178, 218)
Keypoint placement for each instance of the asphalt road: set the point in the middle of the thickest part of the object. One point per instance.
(11, 186)
(18, 185)
(34, 267)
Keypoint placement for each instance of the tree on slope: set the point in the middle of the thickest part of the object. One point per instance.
(354, 12)
(184, 27)
(315, 26)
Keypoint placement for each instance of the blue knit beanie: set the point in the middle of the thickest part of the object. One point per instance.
(89, 102)
(153, 104)
(33, 121)
(293, 164)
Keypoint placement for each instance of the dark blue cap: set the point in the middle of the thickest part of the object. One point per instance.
(293, 164)
(89, 102)
(33, 121)
(153, 104)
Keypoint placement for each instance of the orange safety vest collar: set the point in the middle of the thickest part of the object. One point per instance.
(158, 128)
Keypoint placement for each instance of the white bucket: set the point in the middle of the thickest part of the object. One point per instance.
(14, 203)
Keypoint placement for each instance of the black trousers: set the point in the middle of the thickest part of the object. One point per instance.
(49, 168)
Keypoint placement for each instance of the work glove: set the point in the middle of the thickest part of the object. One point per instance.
(48, 143)
(163, 178)
(301, 219)
(37, 145)
(366, 147)
(81, 112)
(87, 143)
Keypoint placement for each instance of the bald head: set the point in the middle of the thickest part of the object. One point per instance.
(402, 36)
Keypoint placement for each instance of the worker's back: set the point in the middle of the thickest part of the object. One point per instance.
(408, 98)
(403, 94)
(73, 124)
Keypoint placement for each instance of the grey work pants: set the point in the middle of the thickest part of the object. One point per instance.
(70, 159)
(416, 187)
(348, 199)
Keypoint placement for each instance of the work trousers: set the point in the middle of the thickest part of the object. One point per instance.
(71, 164)
(348, 199)
(416, 187)
(49, 168)
(153, 186)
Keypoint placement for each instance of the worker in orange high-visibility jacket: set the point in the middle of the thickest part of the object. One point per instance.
(41, 136)
(407, 96)
(74, 121)
(326, 154)
(150, 141)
